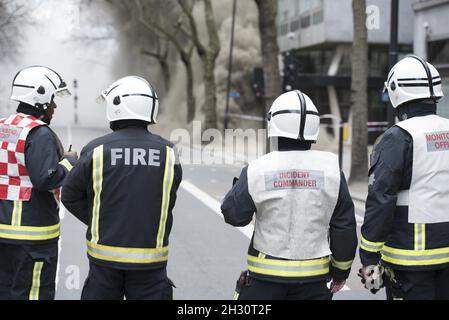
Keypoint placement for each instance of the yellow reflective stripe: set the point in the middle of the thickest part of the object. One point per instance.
(36, 282)
(286, 273)
(342, 265)
(66, 164)
(371, 246)
(262, 255)
(166, 190)
(423, 235)
(127, 255)
(416, 236)
(289, 268)
(16, 219)
(415, 257)
(420, 236)
(29, 233)
(291, 263)
(235, 296)
(97, 175)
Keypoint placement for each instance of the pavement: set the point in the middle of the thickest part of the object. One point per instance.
(206, 255)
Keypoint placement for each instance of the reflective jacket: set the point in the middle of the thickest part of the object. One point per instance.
(334, 259)
(124, 189)
(388, 235)
(37, 220)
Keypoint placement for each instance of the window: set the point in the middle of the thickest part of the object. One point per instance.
(439, 52)
(318, 17)
(305, 22)
(295, 25)
(311, 12)
(283, 29)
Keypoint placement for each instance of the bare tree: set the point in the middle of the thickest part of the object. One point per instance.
(359, 94)
(125, 25)
(172, 21)
(270, 50)
(208, 55)
(161, 54)
(12, 13)
(173, 33)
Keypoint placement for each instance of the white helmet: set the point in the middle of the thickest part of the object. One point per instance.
(412, 78)
(293, 115)
(37, 85)
(131, 98)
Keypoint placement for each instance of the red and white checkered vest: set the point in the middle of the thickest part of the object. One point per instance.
(15, 184)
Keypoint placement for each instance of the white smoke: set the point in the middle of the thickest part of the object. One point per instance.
(49, 41)
(246, 56)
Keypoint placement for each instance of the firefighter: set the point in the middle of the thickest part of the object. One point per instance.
(405, 235)
(124, 189)
(33, 166)
(299, 197)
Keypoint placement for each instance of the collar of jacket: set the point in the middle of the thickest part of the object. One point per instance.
(285, 144)
(123, 124)
(32, 111)
(416, 109)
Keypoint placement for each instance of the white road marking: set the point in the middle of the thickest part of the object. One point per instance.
(214, 205)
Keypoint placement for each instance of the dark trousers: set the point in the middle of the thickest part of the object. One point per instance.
(28, 272)
(264, 290)
(420, 285)
(106, 283)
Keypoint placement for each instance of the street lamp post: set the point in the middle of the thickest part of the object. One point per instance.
(393, 52)
(75, 100)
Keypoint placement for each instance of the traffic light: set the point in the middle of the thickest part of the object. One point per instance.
(259, 82)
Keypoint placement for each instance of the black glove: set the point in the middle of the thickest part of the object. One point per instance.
(243, 279)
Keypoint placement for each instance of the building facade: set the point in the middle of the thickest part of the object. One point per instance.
(431, 40)
(315, 41)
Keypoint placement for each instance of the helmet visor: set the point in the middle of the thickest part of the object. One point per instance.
(385, 87)
(63, 93)
(102, 97)
(63, 90)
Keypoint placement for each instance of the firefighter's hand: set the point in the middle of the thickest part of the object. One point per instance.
(371, 277)
(71, 155)
(337, 285)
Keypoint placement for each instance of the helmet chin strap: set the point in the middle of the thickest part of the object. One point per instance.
(45, 118)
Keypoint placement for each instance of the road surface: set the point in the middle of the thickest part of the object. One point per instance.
(206, 255)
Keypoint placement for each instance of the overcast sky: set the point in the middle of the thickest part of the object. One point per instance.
(50, 42)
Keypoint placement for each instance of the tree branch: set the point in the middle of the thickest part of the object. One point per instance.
(194, 31)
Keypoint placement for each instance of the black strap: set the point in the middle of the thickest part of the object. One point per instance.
(23, 86)
(285, 112)
(428, 72)
(302, 123)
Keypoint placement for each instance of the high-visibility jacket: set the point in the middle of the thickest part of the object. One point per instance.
(124, 189)
(32, 167)
(417, 241)
(301, 201)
